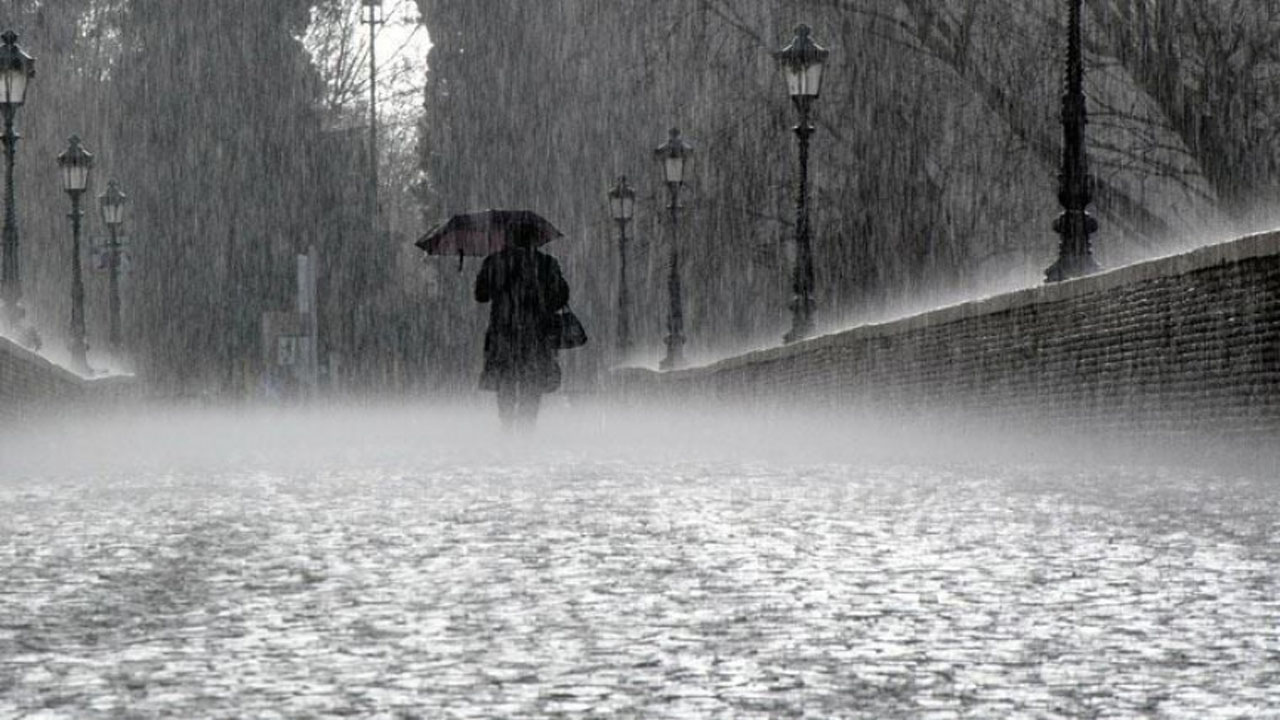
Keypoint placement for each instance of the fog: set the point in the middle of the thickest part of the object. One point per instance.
(394, 436)
(414, 559)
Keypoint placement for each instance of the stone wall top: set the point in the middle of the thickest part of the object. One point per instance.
(31, 383)
(23, 355)
(1258, 245)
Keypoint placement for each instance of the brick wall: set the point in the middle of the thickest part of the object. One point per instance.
(1184, 343)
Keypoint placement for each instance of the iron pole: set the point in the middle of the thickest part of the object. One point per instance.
(802, 273)
(11, 279)
(624, 295)
(113, 337)
(1075, 184)
(675, 303)
(373, 116)
(79, 345)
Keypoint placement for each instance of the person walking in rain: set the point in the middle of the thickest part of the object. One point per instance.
(525, 288)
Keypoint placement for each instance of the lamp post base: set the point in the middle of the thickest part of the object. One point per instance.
(1068, 267)
(24, 334)
(801, 306)
(79, 361)
(797, 333)
(675, 354)
(13, 314)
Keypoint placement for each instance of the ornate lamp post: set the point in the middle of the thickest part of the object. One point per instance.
(373, 18)
(674, 154)
(16, 70)
(76, 163)
(802, 62)
(1075, 184)
(112, 203)
(622, 206)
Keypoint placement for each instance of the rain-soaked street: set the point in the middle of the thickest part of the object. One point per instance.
(415, 563)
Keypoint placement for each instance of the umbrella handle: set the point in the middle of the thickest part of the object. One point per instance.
(460, 259)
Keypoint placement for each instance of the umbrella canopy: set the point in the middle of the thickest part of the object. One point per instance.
(484, 233)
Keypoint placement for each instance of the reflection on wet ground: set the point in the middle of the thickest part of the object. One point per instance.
(577, 584)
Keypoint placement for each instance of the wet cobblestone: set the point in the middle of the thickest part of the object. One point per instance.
(420, 584)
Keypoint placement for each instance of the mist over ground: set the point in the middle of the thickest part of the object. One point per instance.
(465, 430)
(409, 560)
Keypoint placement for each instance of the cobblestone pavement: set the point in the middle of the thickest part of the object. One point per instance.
(381, 564)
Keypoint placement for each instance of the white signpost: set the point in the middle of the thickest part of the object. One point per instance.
(287, 350)
(309, 359)
(289, 338)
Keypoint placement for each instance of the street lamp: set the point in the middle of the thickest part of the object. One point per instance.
(373, 18)
(622, 206)
(1075, 184)
(16, 70)
(674, 155)
(802, 62)
(112, 202)
(76, 162)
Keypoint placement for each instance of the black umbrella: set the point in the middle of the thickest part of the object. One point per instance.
(484, 233)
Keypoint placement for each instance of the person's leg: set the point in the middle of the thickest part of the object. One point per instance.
(525, 392)
(530, 401)
(508, 400)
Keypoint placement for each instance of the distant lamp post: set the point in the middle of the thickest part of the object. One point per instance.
(674, 155)
(76, 162)
(16, 70)
(1075, 184)
(802, 63)
(112, 202)
(622, 206)
(373, 18)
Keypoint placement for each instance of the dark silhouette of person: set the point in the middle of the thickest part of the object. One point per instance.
(524, 288)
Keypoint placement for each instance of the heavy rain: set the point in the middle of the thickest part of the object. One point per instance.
(674, 358)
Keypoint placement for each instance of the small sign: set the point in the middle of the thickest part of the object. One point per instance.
(100, 258)
(104, 242)
(286, 350)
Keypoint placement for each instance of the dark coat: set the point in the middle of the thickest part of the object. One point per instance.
(525, 287)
